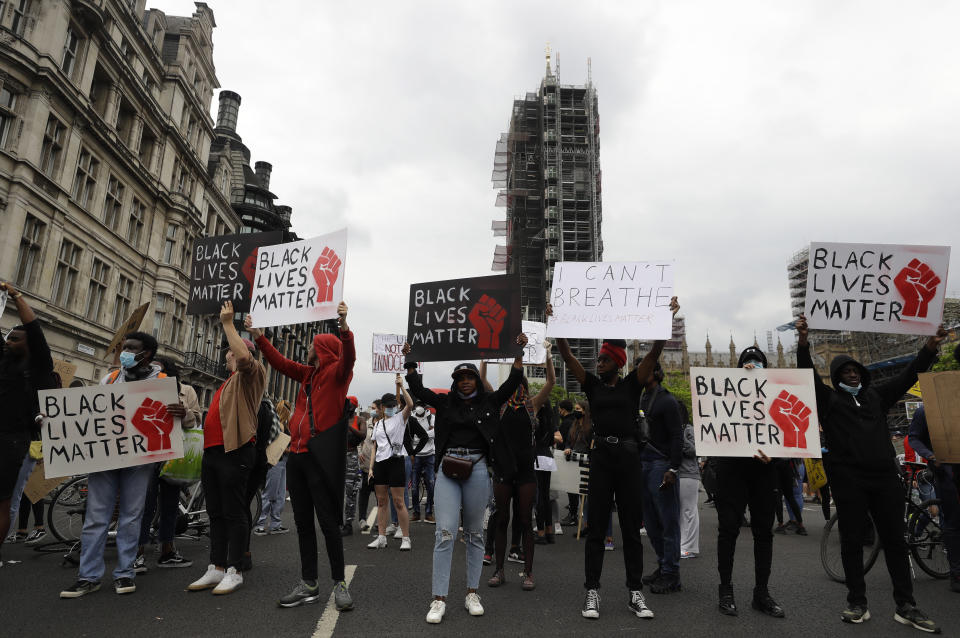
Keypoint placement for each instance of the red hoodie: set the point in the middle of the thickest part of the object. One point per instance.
(329, 382)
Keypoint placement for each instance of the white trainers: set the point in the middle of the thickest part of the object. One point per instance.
(231, 581)
(437, 609)
(557, 529)
(210, 579)
(472, 603)
(378, 543)
(398, 533)
(405, 544)
(391, 528)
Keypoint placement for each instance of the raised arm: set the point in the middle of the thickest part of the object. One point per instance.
(349, 354)
(236, 344)
(23, 309)
(408, 400)
(286, 367)
(574, 367)
(648, 362)
(544, 395)
(804, 360)
(891, 391)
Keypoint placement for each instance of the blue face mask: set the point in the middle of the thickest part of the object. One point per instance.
(757, 364)
(389, 411)
(128, 359)
(852, 389)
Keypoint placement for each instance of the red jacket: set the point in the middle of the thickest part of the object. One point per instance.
(329, 382)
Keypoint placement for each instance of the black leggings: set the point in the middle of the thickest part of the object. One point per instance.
(309, 496)
(25, 508)
(743, 482)
(525, 493)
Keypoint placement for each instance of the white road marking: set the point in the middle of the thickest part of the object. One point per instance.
(328, 620)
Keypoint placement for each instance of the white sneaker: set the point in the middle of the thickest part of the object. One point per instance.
(643, 531)
(437, 609)
(405, 544)
(391, 528)
(472, 603)
(378, 543)
(398, 533)
(231, 581)
(210, 579)
(557, 529)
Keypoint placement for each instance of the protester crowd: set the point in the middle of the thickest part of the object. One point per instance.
(470, 460)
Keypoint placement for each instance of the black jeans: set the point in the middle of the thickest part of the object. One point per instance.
(309, 496)
(743, 482)
(224, 477)
(614, 471)
(544, 517)
(255, 483)
(856, 493)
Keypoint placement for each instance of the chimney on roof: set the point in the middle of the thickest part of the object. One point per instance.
(228, 111)
(263, 170)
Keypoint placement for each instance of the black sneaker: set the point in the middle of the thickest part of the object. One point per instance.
(666, 584)
(124, 586)
(280, 529)
(591, 604)
(727, 604)
(173, 559)
(515, 555)
(651, 578)
(911, 615)
(35, 537)
(638, 605)
(80, 588)
(140, 564)
(302, 594)
(765, 603)
(855, 614)
(346, 530)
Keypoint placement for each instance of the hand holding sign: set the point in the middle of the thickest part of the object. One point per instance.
(917, 283)
(256, 333)
(153, 421)
(326, 271)
(487, 317)
(792, 417)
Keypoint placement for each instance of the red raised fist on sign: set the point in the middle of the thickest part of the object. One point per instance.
(792, 417)
(152, 420)
(326, 271)
(487, 317)
(249, 267)
(917, 284)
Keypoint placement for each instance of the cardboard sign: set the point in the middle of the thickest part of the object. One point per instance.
(66, 370)
(616, 300)
(130, 325)
(299, 282)
(223, 268)
(387, 354)
(816, 475)
(464, 319)
(941, 400)
(38, 486)
(738, 411)
(535, 354)
(876, 287)
(105, 427)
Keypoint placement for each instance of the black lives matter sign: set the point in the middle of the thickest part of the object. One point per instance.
(462, 319)
(223, 269)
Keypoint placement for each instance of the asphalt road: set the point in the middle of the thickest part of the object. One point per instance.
(392, 594)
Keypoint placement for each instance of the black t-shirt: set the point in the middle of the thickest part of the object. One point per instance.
(516, 429)
(20, 381)
(614, 409)
(467, 435)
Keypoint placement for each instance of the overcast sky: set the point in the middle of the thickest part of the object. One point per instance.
(732, 134)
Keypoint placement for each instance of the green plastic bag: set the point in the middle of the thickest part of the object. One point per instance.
(186, 470)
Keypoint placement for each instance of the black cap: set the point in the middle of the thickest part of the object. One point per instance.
(752, 354)
(466, 367)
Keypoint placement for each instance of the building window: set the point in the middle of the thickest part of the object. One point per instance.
(176, 323)
(52, 146)
(20, 16)
(185, 249)
(71, 48)
(97, 290)
(8, 115)
(159, 315)
(28, 258)
(68, 265)
(170, 243)
(124, 295)
(148, 143)
(113, 203)
(85, 180)
(135, 227)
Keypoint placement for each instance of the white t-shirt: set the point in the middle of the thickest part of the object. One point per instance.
(427, 422)
(393, 427)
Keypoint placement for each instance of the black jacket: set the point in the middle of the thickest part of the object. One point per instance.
(662, 412)
(20, 381)
(414, 429)
(483, 410)
(855, 429)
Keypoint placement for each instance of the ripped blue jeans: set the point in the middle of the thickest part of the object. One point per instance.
(449, 497)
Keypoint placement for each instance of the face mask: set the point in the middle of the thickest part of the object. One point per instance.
(757, 364)
(419, 412)
(852, 389)
(128, 360)
(389, 411)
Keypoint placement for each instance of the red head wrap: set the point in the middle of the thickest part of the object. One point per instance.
(615, 352)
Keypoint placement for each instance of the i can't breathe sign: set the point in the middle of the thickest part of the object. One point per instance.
(738, 412)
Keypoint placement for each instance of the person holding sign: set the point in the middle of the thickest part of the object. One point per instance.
(614, 462)
(466, 425)
(229, 454)
(861, 464)
(317, 487)
(25, 367)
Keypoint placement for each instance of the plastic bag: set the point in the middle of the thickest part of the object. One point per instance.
(186, 470)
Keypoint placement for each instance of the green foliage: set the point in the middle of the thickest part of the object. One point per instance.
(947, 360)
(557, 394)
(679, 386)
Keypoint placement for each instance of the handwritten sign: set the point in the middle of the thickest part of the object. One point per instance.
(534, 354)
(941, 400)
(738, 411)
(223, 268)
(299, 282)
(464, 319)
(388, 355)
(130, 325)
(876, 287)
(105, 427)
(66, 370)
(622, 300)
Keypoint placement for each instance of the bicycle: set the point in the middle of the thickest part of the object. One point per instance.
(923, 533)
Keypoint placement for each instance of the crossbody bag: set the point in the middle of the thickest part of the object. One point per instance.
(456, 468)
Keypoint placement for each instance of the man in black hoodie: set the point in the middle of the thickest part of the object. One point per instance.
(861, 465)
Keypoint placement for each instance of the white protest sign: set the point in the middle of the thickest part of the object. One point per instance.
(876, 287)
(534, 354)
(388, 355)
(738, 411)
(622, 300)
(299, 282)
(105, 427)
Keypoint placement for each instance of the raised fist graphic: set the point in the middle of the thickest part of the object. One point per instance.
(487, 317)
(326, 271)
(249, 268)
(793, 418)
(917, 284)
(152, 420)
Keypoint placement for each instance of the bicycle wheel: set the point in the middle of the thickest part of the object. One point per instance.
(67, 509)
(830, 554)
(925, 539)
